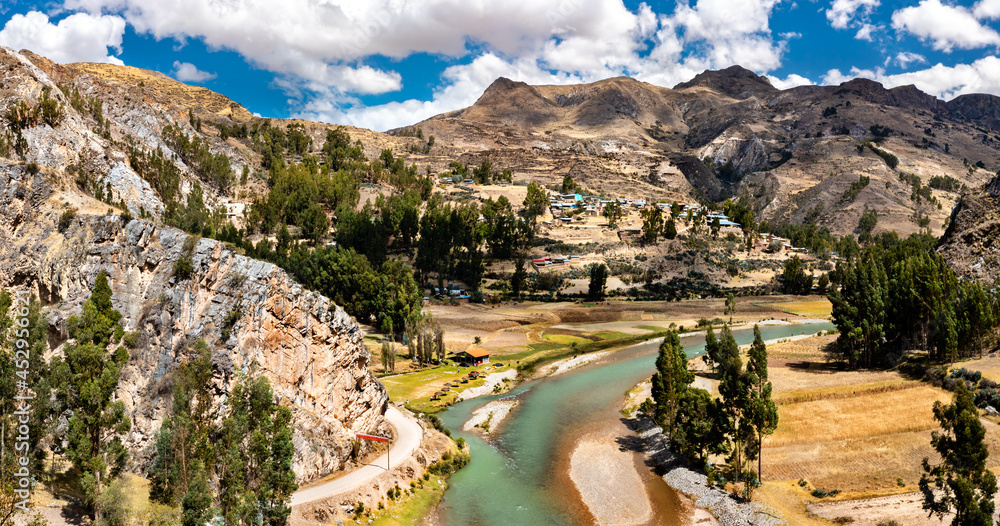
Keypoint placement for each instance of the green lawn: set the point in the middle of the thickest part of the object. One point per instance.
(566, 339)
(611, 335)
(408, 509)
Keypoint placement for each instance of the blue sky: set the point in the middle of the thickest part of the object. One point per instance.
(387, 63)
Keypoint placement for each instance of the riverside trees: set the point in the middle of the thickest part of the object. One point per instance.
(735, 423)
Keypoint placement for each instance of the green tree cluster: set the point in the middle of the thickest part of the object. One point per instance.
(652, 223)
(794, 278)
(900, 295)
(245, 445)
(735, 423)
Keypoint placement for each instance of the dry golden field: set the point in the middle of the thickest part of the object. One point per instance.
(864, 433)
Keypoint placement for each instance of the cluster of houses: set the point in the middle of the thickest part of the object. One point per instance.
(454, 292)
(565, 207)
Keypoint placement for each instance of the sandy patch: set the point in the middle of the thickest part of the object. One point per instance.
(492, 380)
(495, 412)
(603, 474)
(563, 366)
(906, 509)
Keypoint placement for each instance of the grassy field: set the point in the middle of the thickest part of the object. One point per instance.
(409, 509)
(418, 387)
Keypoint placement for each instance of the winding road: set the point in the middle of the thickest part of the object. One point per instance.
(408, 436)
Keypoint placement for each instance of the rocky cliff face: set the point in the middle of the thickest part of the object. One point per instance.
(971, 244)
(309, 348)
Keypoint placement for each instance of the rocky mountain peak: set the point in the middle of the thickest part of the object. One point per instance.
(908, 96)
(735, 81)
(982, 108)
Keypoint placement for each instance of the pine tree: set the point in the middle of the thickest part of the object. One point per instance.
(711, 356)
(670, 229)
(763, 413)
(598, 281)
(670, 382)
(961, 484)
(94, 362)
(734, 389)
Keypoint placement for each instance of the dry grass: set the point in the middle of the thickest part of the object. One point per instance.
(811, 308)
(855, 431)
(852, 412)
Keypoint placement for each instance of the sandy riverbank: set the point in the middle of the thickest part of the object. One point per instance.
(563, 366)
(494, 412)
(608, 482)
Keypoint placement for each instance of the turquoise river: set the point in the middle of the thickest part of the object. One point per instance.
(518, 477)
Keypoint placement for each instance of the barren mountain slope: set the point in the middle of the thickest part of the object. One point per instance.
(730, 132)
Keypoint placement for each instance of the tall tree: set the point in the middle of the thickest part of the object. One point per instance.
(613, 211)
(730, 306)
(652, 223)
(670, 382)
(711, 356)
(763, 413)
(518, 278)
(535, 201)
(95, 360)
(734, 389)
(670, 229)
(961, 483)
(598, 280)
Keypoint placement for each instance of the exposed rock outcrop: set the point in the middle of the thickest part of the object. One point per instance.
(971, 244)
(309, 348)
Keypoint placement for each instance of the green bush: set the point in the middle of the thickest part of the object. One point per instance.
(183, 268)
(66, 219)
(114, 506)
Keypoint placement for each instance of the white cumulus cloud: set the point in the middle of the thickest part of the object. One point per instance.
(905, 58)
(188, 72)
(319, 48)
(842, 13)
(791, 81)
(947, 26)
(80, 37)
